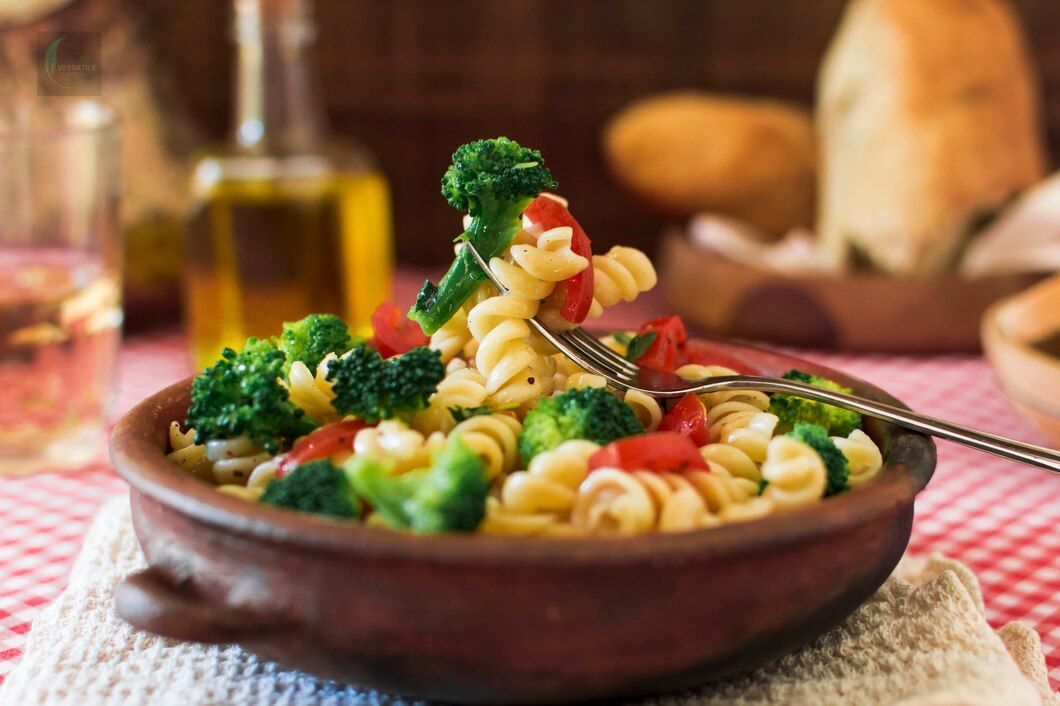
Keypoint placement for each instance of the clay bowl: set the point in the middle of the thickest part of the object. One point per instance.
(1031, 378)
(854, 312)
(493, 619)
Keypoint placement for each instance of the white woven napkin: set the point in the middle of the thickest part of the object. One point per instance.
(921, 640)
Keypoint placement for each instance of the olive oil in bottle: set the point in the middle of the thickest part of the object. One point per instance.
(285, 222)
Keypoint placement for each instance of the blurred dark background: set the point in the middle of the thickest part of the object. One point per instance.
(413, 79)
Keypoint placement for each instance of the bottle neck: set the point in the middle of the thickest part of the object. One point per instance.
(277, 107)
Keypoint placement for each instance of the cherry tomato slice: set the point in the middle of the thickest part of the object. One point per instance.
(661, 451)
(703, 352)
(547, 212)
(689, 419)
(334, 441)
(664, 353)
(394, 332)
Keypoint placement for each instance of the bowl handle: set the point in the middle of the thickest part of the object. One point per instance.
(150, 601)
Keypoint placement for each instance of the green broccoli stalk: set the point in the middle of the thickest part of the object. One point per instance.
(315, 486)
(463, 413)
(792, 410)
(835, 463)
(592, 413)
(493, 181)
(371, 388)
(448, 497)
(241, 394)
(313, 338)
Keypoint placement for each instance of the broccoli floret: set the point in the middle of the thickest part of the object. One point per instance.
(792, 410)
(592, 413)
(448, 497)
(315, 486)
(241, 394)
(494, 181)
(835, 463)
(313, 338)
(371, 388)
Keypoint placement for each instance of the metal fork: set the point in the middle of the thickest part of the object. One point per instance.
(590, 353)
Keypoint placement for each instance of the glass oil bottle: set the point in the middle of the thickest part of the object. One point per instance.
(286, 222)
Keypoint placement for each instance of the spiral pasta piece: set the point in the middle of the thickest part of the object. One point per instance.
(259, 479)
(721, 491)
(187, 454)
(550, 260)
(735, 417)
(403, 448)
(678, 503)
(863, 456)
(726, 458)
(620, 275)
(463, 387)
(539, 499)
(495, 438)
(645, 407)
(311, 390)
(796, 474)
(451, 339)
(571, 376)
(508, 353)
(485, 291)
(551, 480)
(499, 325)
(234, 459)
(580, 381)
(695, 372)
(611, 501)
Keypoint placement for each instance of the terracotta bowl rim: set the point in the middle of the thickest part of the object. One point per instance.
(999, 341)
(137, 451)
(995, 326)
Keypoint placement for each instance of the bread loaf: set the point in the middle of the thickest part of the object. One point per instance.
(927, 119)
(684, 153)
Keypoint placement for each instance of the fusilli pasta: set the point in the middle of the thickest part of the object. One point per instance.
(259, 478)
(863, 457)
(736, 417)
(311, 390)
(463, 387)
(539, 499)
(234, 459)
(515, 363)
(795, 473)
(494, 437)
(645, 407)
(611, 501)
(187, 454)
(405, 449)
(620, 275)
(451, 339)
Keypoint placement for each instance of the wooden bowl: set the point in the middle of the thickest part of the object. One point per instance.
(474, 618)
(857, 312)
(1031, 379)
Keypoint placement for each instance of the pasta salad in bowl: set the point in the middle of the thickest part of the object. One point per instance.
(348, 506)
(460, 418)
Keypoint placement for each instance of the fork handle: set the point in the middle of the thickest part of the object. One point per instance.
(1039, 456)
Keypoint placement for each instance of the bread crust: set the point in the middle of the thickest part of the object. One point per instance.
(688, 152)
(928, 118)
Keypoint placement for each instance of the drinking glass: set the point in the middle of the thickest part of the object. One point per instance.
(60, 257)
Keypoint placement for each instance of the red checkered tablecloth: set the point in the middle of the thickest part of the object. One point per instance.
(999, 518)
